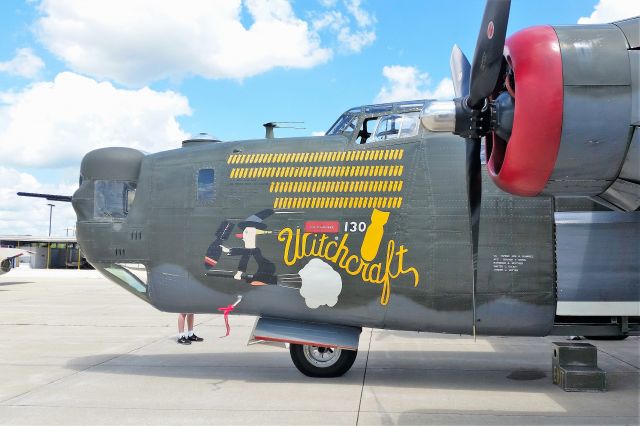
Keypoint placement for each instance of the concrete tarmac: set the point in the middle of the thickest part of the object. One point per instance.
(78, 349)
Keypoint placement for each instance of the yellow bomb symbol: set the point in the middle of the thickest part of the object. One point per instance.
(374, 234)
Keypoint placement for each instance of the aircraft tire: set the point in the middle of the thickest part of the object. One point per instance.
(314, 361)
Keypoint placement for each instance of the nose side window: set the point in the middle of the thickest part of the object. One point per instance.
(205, 188)
(112, 199)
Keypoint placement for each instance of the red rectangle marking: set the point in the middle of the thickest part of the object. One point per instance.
(322, 226)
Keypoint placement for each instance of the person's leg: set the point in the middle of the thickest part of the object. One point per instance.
(181, 323)
(191, 335)
(181, 318)
(190, 324)
(182, 336)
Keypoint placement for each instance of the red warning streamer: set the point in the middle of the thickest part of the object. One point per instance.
(226, 310)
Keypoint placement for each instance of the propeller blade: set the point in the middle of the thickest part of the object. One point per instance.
(487, 59)
(474, 192)
(460, 71)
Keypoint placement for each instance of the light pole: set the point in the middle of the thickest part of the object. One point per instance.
(51, 206)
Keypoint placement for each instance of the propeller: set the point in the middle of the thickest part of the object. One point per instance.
(487, 59)
(473, 84)
(460, 72)
(474, 197)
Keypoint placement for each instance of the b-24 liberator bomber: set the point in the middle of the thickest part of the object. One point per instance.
(390, 220)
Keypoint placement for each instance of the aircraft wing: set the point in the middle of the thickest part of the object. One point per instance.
(11, 253)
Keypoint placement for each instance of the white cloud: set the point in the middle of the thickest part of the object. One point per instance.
(407, 83)
(328, 3)
(355, 41)
(350, 40)
(53, 124)
(612, 10)
(362, 17)
(25, 64)
(331, 19)
(30, 216)
(139, 41)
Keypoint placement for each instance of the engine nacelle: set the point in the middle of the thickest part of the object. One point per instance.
(576, 104)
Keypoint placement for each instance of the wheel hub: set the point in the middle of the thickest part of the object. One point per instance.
(320, 356)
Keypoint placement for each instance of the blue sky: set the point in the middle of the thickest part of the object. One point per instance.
(75, 76)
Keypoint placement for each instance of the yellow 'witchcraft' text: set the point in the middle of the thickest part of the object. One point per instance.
(299, 245)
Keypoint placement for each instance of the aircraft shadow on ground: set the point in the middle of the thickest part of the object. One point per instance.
(15, 283)
(442, 369)
(446, 371)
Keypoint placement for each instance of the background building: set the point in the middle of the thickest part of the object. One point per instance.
(47, 252)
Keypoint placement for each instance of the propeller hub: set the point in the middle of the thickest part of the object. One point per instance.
(502, 110)
(471, 123)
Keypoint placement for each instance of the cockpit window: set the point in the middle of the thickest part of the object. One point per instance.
(397, 126)
(388, 128)
(112, 199)
(410, 125)
(345, 124)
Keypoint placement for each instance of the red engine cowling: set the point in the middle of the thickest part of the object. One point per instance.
(573, 122)
(524, 164)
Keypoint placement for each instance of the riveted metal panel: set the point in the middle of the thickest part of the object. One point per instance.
(593, 55)
(595, 135)
(631, 29)
(597, 256)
